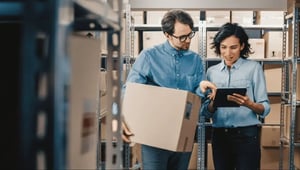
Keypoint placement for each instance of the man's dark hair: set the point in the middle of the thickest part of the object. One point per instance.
(169, 19)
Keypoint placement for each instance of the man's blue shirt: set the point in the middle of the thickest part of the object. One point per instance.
(163, 65)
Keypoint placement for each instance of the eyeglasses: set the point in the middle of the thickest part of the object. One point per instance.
(184, 37)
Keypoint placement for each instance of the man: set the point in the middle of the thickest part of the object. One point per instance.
(170, 64)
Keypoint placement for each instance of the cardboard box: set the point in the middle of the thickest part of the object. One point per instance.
(274, 116)
(273, 40)
(273, 75)
(270, 136)
(287, 123)
(217, 18)
(161, 117)
(291, 4)
(297, 157)
(270, 158)
(152, 38)
(103, 93)
(242, 17)
(138, 17)
(194, 157)
(258, 47)
(84, 100)
(270, 18)
(155, 17)
(210, 162)
(297, 80)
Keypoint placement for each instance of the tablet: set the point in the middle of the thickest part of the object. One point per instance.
(221, 96)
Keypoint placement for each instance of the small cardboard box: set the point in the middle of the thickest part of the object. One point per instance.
(242, 17)
(273, 44)
(287, 125)
(297, 78)
(270, 18)
(161, 117)
(274, 116)
(217, 18)
(83, 102)
(258, 47)
(297, 157)
(270, 157)
(270, 136)
(273, 75)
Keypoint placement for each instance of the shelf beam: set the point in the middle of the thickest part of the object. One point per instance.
(268, 5)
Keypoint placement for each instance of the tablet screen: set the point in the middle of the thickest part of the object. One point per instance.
(221, 96)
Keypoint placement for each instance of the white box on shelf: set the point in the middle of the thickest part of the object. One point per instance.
(258, 47)
(242, 17)
(273, 44)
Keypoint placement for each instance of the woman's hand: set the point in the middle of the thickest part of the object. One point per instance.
(245, 101)
(239, 99)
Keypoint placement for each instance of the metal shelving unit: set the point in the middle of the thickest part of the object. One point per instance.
(289, 95)
(44, 71)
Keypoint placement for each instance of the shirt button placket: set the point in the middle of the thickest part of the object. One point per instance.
(177, 70)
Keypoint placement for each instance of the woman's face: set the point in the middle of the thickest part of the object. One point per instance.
(230, 49)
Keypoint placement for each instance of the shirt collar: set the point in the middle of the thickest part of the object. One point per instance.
(173, 51)
(236, 65)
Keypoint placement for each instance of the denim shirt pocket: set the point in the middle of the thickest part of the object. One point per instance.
(191, 82)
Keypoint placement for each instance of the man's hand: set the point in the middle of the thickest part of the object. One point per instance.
(126, 133)
(205, 85)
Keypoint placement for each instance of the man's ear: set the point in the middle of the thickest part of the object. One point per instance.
(167, 35)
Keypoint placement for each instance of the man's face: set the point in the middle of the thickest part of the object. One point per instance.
(181, 37)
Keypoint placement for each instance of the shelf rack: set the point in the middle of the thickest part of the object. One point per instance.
(45, 27)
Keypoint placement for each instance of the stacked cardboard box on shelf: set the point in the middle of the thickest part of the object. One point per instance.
(217, 18)
(291, 4)
(84, 98)
(273, 75)
(270, 18)
(273, 41)
(242, 17)
(297, 158)
(270, 136)
(297, 85)
(287, 123)
(270, 158)
(194, 157)
(258, 47)
(274, 116)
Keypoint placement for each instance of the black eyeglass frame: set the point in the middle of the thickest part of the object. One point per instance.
(182, 38)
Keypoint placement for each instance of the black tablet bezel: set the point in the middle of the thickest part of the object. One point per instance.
(221, 96)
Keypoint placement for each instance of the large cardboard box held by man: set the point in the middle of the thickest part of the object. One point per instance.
(161, 117)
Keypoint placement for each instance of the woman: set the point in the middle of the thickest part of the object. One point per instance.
(236, 130)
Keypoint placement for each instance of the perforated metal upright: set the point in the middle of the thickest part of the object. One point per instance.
(44, 60)
(293, 92)
(43, 102)
(201, 154)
